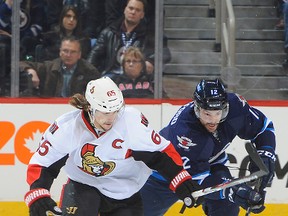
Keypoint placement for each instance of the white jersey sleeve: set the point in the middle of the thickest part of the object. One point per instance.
(139, 133)
(58, 140)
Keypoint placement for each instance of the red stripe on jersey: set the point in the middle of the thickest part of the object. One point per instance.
(33, 173)
(172, 153)
(88, 125)
(62, 193)
(128, 153)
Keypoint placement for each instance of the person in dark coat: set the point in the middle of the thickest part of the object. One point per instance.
(114, 40)
(63, 76)
(69, 24)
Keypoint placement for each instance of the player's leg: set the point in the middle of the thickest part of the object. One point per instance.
(157, 197)
(220, 208)
(127, 207)
(79, 199)
(213, 204)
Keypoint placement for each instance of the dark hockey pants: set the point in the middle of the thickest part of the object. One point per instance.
(79, 199)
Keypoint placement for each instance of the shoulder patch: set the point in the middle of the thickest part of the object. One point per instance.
(144, 120)
(53, 128)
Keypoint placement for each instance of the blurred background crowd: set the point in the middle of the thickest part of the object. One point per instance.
(65, 43)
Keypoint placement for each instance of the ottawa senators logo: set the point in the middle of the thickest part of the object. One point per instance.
(94, 165)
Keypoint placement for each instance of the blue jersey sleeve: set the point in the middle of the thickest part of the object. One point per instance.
(252, 123)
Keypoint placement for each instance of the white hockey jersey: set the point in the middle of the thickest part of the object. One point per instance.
(105, 161)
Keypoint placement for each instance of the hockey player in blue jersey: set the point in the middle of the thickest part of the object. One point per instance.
(201, 131)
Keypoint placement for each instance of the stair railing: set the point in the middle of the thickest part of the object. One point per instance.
(225, 36)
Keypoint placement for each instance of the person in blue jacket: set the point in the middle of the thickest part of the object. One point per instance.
(201, 131)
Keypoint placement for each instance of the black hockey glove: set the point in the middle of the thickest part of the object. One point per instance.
(40, 203)
(246, 197)
(183, 186)
(268, 158)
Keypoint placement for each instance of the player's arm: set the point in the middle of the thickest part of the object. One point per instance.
(160, 155)
(262, 134)
(265, 143)
(40, 179)
(43, 168)
(254, 125)
(169, 164)
(260, 130)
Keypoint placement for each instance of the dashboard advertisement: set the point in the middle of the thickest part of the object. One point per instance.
(22, 123)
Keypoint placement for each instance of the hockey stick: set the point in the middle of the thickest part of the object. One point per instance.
(253, 176)
(256, 185)
(252, 152)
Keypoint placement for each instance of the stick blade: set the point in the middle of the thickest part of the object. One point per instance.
(252, 151)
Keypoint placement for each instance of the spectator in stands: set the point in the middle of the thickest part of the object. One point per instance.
(64, 76)
(95, 19)
(92, 14)
(4, 62)
(128, 31)
(5, 43)
(135, 82)
(114, 10)
(53, 11)
(32, 22)
(69, 24)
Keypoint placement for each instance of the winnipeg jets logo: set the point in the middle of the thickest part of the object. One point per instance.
(184, 142)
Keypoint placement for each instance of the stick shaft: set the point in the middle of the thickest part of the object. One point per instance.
(253, 176)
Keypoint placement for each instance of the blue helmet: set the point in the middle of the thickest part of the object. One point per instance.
(211, 95)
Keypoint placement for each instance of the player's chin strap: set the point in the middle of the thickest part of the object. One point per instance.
(252, 152)
(91, 117)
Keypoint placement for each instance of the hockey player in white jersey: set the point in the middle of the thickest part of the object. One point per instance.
(108, 151)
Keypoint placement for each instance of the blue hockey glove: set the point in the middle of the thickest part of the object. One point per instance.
(258, 208)
(40, 203)
(246, 197)
(268, 158)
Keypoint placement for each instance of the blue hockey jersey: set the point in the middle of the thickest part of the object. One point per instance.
(200, 149)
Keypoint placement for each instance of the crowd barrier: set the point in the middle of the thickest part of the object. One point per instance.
(22, 122)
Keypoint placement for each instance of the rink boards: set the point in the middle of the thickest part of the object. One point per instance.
(22, 124)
